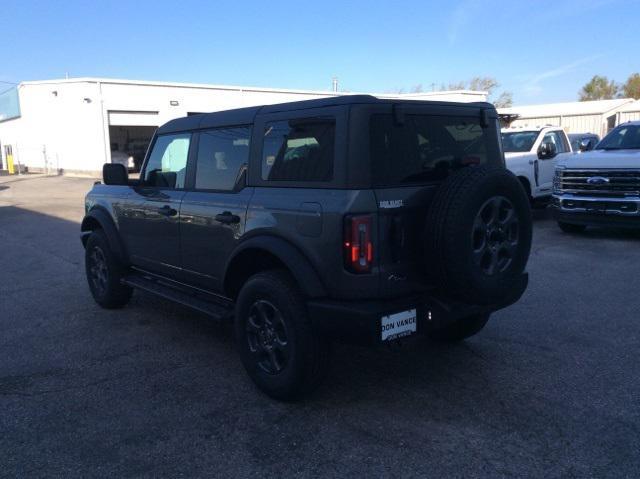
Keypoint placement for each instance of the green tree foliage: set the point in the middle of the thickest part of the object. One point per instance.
(599, 88)
(631, 89)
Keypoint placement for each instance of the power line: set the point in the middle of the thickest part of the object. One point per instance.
(9, 82)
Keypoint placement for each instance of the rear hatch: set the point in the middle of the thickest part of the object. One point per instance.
(411, 154)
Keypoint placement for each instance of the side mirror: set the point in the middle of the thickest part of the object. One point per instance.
(114, 174)
(547, 150)
(584, 145)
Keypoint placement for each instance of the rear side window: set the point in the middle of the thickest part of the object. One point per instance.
(299, 150)
(222, 156)
(167, 163)
(426, 148)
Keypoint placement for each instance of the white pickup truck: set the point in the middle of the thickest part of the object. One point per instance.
(532, 153)
(601, 187)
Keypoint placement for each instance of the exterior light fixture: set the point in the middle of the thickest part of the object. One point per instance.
(174, 103)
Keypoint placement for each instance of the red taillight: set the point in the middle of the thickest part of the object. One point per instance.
(358, 248)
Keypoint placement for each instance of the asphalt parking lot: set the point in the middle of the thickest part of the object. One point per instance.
(551, 388)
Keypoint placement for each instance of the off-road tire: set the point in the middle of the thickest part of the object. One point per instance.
(104, 273)
(570, 228)
(307, 355)
(454, 261)
(460, 329)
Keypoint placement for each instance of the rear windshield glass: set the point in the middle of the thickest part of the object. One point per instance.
(426, 147)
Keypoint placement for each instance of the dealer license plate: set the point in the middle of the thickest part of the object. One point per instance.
(398, 325)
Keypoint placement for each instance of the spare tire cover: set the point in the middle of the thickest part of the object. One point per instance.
(478, 235)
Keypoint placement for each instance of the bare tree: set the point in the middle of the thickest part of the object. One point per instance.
(488, 84)
(505, 100)
(461, 85)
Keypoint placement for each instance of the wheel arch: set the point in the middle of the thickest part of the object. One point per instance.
(261, 253)
(524, 181)
(99, 218)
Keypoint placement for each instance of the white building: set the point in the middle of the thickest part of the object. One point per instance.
(576, 117)
(629, 112)
(74, 125)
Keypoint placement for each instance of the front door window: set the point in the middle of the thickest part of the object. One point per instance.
(167, 163)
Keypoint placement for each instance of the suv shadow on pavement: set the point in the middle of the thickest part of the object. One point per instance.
(46, 296)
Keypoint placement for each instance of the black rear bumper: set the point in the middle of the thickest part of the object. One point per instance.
(360, 321)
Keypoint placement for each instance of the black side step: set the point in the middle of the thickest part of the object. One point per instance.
(205, 303)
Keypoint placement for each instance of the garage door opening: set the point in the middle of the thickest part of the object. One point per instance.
(129, 144)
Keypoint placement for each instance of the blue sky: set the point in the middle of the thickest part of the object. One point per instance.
(541, 51)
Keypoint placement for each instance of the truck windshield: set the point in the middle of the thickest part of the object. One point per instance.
(625, 137)
(518, 141)
(427, 148)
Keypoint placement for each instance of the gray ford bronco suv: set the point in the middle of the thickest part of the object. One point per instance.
(349, 218)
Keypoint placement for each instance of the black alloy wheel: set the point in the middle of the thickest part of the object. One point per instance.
(495, 235)
(279, 347)
(267, 337)
(98, 271)
(105, 273)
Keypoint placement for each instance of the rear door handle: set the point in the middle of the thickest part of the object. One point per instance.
(227, 218)
(167, 210)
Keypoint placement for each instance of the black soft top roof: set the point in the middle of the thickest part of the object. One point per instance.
(245, 116)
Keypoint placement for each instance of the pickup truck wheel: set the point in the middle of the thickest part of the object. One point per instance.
(460, 329)
(104, 273)
(478, 235)
(571, 228)
(278, 347)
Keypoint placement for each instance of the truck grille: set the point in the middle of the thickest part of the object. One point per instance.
(598, 182)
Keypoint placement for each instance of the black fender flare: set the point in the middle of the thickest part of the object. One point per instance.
(99, 217)
(298, 265)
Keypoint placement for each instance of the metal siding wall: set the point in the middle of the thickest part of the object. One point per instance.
(629, 116)
(584, 124)
(572, 124)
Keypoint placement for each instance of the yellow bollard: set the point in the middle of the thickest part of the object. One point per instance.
(10, 164)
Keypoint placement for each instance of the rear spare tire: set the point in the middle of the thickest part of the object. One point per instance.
(478, 235)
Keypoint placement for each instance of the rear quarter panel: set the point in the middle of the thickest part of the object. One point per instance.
(312, 221)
